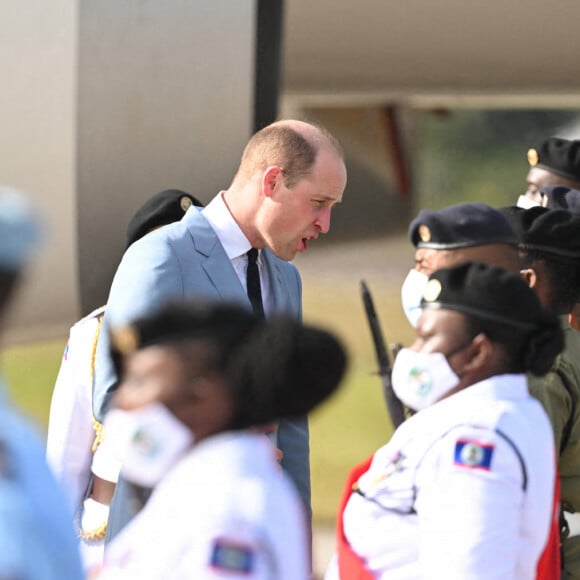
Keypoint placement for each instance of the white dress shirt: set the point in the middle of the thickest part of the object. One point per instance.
(236, 245)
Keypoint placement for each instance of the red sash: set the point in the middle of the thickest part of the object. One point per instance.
(350, 565)
(549, 566)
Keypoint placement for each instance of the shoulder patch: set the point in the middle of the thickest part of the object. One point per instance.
(473, 454)
(229, 556)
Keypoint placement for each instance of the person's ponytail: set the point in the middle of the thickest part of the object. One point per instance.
(284, 370)
(544, 344)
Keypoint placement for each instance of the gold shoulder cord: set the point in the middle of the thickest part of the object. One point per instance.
(98, 427)
(94, 535)
(98, 533)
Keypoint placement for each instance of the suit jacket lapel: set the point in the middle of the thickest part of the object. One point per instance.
(215, 263)
(278, 286)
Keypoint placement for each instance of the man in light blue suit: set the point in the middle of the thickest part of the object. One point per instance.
(290, 177)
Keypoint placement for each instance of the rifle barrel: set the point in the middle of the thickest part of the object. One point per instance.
(394, 405)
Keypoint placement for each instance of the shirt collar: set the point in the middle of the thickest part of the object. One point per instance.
(508, 387)
(224, 225)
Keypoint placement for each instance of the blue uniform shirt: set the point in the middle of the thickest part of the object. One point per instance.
(36, 536)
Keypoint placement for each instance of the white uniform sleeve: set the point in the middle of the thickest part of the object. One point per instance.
(204, 556)
(70, 428)
(469, 507)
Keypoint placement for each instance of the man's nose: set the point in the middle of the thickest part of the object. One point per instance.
(323, 221)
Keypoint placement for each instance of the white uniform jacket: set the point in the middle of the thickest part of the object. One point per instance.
(71, 435)
(463, 490)
(70, 428)
(225, 511)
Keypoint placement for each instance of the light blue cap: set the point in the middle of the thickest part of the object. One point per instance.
(19, 229)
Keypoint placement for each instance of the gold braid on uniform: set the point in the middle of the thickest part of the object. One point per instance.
(98, 427)
(93, 535)
(97, 534)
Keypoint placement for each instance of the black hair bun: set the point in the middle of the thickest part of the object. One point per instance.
(544, 344)
(285, 370)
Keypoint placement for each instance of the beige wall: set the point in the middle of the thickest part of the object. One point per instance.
(165, 101)
(103, 104)
(38, 47)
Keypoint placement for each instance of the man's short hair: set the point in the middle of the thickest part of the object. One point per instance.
(282, 145)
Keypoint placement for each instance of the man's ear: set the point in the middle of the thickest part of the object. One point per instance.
(482, 351)
(530, 277)
(270, 179)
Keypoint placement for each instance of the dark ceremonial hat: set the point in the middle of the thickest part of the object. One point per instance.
(560, 197)
(554, 232)
(559, 156)
(460, 226)
(163, 208)
(485, 292)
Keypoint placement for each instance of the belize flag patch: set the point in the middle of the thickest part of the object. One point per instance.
(232, 557)
(473, 454)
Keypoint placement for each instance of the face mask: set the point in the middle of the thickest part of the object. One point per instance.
(148, 442)
(526, 203)
(411, 294)
(421, 379)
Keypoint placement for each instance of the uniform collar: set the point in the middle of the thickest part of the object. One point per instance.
(506, 387)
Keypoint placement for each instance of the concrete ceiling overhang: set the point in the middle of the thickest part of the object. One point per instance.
(432, 52)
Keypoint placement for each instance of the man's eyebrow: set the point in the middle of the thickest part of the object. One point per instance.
(327, 197)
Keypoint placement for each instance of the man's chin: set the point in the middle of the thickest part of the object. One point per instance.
(286, 254)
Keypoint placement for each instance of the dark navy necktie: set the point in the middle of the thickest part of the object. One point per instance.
(253, 283)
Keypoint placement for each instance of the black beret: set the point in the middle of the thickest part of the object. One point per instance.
(559, 156)
(560, 197)
(163, 208)
(460, 226)
(484, 292)
(554, 232)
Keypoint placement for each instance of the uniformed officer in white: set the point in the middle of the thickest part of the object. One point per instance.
(465, 487)
(186, 405)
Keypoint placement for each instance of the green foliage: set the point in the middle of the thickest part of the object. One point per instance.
(473, 155)
(354, 423)
(30, 372)
(344, 432)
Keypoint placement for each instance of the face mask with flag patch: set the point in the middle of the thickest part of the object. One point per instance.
(148, 441)
(421, 379)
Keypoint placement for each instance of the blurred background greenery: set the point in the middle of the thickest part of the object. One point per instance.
(462, 155)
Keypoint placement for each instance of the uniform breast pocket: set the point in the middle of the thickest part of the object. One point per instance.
(393, 490)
